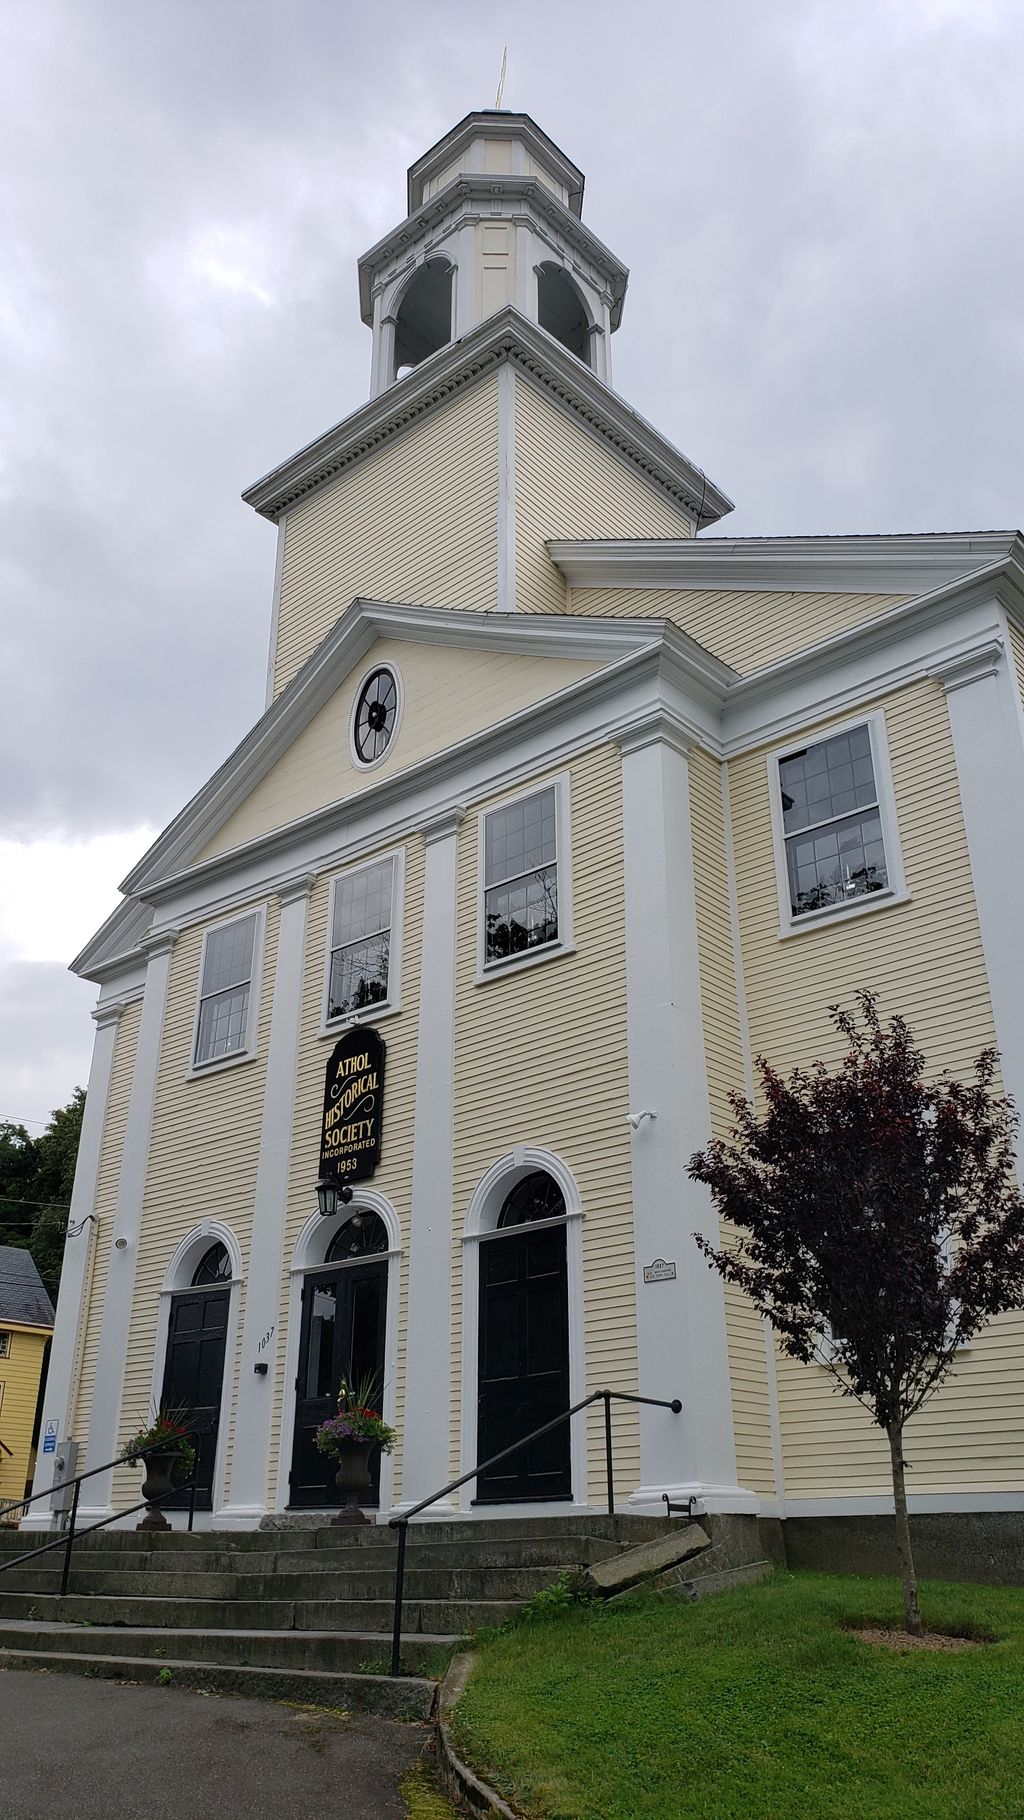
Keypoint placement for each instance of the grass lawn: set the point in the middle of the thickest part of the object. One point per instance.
(755, 1705)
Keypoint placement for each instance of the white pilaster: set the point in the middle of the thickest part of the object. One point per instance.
(681, 1333)
(248, 1494)
(76, 1272)
(113, 1346)
(465, 303)
(382, 363)
(506, 488)
(428, 1364)
(987, 723)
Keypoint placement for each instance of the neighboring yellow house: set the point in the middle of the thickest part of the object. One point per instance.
(558, 814)
(26, 1325)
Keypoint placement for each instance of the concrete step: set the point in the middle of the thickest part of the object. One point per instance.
(551, 1554)
(469, 1583)
(364, 1652)
(456, 1617)
(405, 1697)
(293, 1533)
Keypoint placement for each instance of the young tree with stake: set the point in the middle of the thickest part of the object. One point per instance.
(879, 1222)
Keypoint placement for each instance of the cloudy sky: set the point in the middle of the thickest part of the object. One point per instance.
(819, 201)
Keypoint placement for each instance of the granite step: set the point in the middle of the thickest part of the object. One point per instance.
(400, 1697)
(450, 1616)
(358, 1652)
(468, 1583)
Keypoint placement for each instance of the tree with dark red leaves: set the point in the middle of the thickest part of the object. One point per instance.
(879, 1222)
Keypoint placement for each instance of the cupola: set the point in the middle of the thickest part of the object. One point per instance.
(495, 218)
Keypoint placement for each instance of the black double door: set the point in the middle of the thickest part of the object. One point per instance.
(524, 1364)
(194, 1378)
(344, 1312)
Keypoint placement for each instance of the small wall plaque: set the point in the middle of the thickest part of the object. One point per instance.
(663, 1270)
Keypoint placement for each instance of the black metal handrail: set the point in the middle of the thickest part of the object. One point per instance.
(401, 1523)
(73, 1534)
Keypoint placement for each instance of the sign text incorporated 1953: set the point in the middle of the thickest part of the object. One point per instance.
(353, 1107)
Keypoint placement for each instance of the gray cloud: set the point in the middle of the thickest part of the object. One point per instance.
(818, 201)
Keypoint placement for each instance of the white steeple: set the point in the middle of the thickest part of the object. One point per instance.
(494, 219)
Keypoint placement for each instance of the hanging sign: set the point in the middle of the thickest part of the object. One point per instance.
(663, 1270)
(353, 1107)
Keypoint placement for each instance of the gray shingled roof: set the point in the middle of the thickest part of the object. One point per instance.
(22, 1296)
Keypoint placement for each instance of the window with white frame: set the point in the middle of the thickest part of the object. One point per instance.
(5, 1345)
(225, 990)
(359, 963)
(832, 822)
(520, 859)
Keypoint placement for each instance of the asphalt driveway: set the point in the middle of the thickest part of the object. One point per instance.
(76, 1749)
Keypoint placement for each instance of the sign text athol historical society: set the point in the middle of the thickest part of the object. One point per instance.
(353, 1107)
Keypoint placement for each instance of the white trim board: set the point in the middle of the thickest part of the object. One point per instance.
(890, 564)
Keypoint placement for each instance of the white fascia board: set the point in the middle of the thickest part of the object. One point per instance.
(829, 565)
(507, 335)
(604, 641)
(115, 944)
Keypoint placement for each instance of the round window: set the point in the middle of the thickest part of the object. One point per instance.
(375, 716)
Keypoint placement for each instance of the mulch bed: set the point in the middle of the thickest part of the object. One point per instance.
(902, 1640)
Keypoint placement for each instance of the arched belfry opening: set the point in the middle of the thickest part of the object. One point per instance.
(561, 310)
(424, 320)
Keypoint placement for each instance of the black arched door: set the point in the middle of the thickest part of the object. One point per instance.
(344, 1319)
(523, 1357)
(194, 1369)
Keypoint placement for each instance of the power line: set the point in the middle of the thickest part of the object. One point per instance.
(8, 1118)
(12, 1200)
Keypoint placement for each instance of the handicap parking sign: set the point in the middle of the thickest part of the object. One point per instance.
(50, 1438)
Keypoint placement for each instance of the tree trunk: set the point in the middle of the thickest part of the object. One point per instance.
(903, 1548)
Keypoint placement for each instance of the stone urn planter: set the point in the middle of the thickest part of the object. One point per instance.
(159, 1466)
(353, 1477)
(349, 1437)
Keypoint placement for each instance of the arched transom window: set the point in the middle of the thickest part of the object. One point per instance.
(361, 1236)
(536, 1197)
(213, 1267)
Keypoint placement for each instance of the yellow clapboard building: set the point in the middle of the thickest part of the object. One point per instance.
(557, 814)
(26, 1324)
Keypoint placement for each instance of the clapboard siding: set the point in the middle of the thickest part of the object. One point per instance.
(570, 483)
(746, 630)
(417, 521)
(924, 958)
(444, 689)
(393, 1178)
(540, 1059)
(723, 1053)
(203, 1157)
(105, 1207)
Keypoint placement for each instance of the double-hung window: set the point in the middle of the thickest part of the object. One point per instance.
(360, 970)
(836, 835)
(5, 1345)
(521, 864)
(223, 1027)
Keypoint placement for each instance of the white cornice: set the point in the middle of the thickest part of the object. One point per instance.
(507, 335)
(476, 194)
(492, 123)
(605, 641)
(841, 565)
(662, 680)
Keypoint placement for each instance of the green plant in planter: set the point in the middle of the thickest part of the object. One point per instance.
(167, 1433)
(355, 1420)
